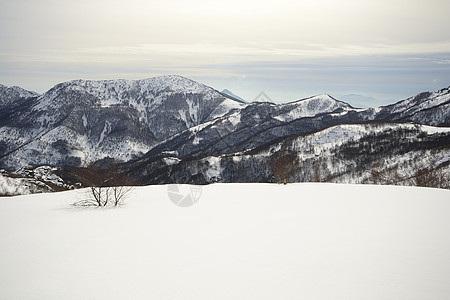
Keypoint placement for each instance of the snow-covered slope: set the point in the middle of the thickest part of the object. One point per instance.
(427, 108)
(240, 241)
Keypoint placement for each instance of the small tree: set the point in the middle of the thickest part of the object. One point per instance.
(107, 186)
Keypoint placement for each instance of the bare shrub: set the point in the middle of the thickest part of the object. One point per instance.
(107, 186)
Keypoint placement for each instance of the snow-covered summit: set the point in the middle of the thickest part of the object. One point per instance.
(321, 98)
(166, 83)
(122, 91)
(310, 107)
(191, 101)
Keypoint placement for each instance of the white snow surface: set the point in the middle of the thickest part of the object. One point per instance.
(240, 241)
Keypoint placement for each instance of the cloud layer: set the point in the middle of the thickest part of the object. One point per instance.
(294, 47)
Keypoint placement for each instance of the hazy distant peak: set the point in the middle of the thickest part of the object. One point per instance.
(233, 96)
(9, 94)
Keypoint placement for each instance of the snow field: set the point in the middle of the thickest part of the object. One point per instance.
(240, 241)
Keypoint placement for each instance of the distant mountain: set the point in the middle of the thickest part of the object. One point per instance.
(12, 101)
(233, 96)
(10, 95)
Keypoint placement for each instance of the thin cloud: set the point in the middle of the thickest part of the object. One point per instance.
(373, 46)
(196, 54)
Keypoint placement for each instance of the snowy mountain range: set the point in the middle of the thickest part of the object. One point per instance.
(347, 153)
(164, 128)
(80, 122)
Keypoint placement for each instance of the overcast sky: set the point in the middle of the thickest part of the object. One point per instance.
(384, 49)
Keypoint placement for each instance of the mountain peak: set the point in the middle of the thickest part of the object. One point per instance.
(153, 85)
(324, 95)
(324, 98)
(175, 83)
